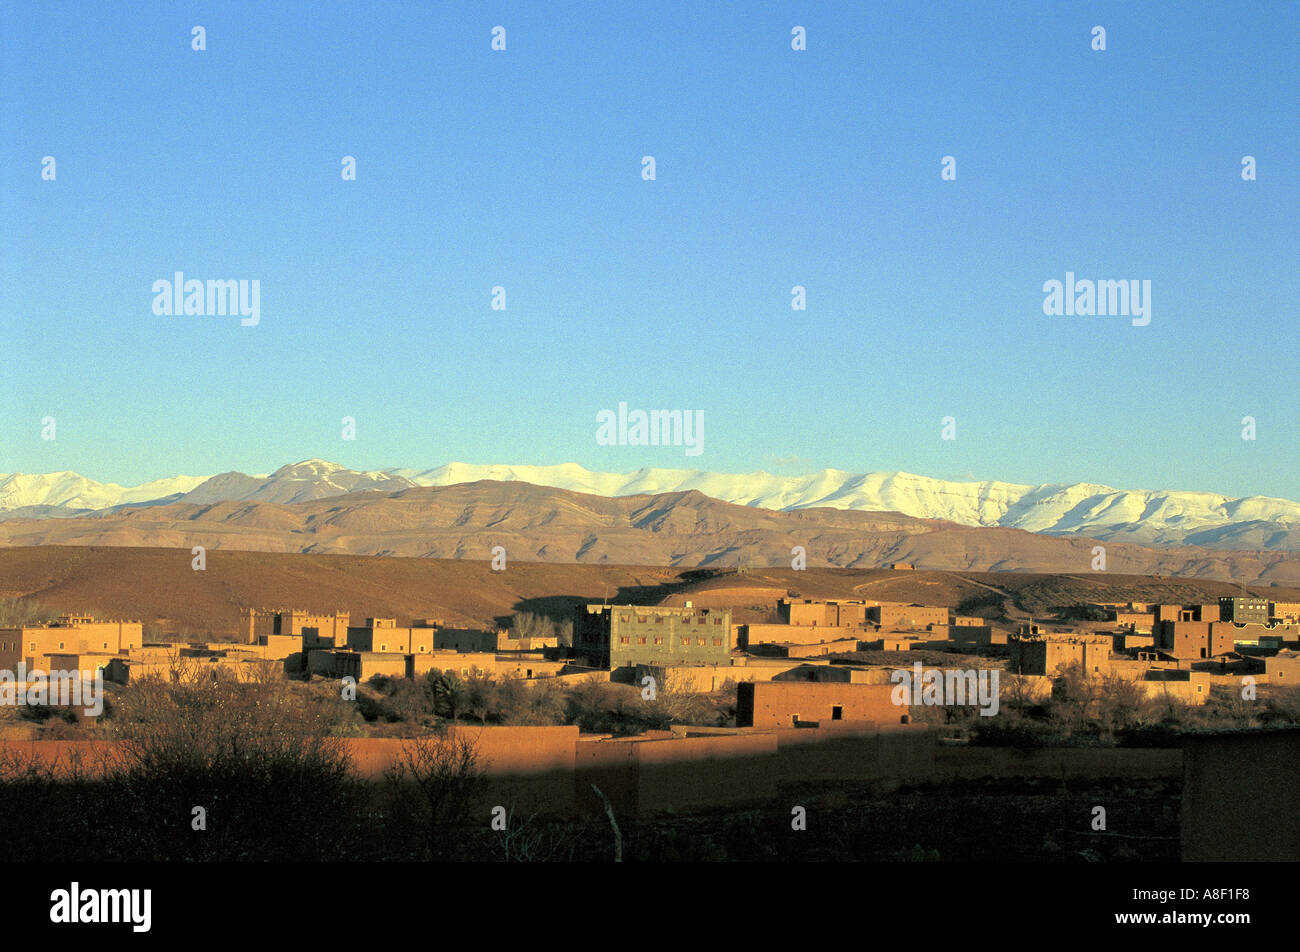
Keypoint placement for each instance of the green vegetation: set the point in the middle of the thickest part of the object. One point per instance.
(1069, 613)
(1114, 711)
(595, 705)
(985, 605)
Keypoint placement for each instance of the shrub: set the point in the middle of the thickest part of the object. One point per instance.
(257, 758)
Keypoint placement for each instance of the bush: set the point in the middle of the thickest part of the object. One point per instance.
(1010, 730)
(256, 758)
(430, 791)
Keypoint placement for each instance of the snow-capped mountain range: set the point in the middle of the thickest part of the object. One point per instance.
(1159, 517)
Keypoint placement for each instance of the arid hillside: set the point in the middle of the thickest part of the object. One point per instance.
(158, 586)
(680, 529)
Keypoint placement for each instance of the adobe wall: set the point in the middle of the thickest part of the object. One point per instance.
(613, 767)
(694, 772)
(1283, 669)
(826, 648)
(837, 673)
(978, 634)
(461, 663)
(280, 647)
(1130, 640)
(502, 751)
(804, 613)
(464, 639)
(893, 616)
(891, 755)
(794, 634)
(63, 756)
(1142, 622)
(526, 768)
(1193, 640)
(779, 703)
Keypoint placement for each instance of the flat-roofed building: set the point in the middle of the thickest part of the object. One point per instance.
(1195, 640)
(383, 635)
(79, 665)
(70, 634)
(1137, 622)
(1190, 687)
(791, 703)
(316, 629)
(466, 639)
(1283, 668)
(908, 616)
(1244, 610)
(1049, 654)
(831, 613)
(364, 665)
(1286, 613)
(616, 636)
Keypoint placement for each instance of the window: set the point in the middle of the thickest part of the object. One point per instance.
(640, 619)
(659, 641)
(717, 642)
(640, 641)
(717, 621)
(699, 641)
(837, 713)
(625, 640)
(685, 642)
(659, 619)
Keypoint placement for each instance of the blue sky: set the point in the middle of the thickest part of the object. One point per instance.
(775, 168)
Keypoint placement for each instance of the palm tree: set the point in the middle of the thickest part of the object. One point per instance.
(449, 694)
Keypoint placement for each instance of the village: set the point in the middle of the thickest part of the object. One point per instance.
(828, 690)
(1166, 650)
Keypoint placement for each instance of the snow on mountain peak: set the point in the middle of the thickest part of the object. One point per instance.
(1160, 517)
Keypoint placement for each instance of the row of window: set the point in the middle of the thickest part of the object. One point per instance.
(61, 646)
(659, 619)
(626, 640)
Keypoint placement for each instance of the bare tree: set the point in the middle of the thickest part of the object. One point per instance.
(260, 671)
(676, 697)
(182, 669)
(439, 776)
